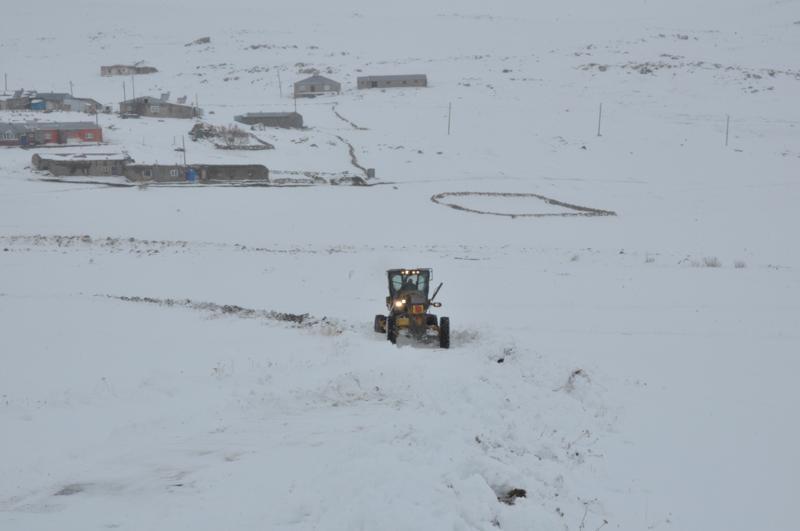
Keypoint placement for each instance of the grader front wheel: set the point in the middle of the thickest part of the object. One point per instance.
(391, 330)
(444, 332)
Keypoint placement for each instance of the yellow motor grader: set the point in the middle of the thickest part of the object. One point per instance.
(408, 304)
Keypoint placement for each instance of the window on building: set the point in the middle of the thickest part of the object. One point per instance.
(89, 136)
(147, 173)
(9, 135)
(155, 109)
(173, 173)
(326, 88)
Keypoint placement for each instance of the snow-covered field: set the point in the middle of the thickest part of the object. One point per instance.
(635, 371)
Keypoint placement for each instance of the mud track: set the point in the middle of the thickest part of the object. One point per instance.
(353, 158)
(439, 199)
(342, 118)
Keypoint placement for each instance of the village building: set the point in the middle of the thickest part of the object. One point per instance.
(272, 119)
(156, 173)
(232, 172)
(120, 164)
(395, 81)
(126, 70)
(82, 164)
(59, 101)
(13, 134)
(38, 133)
(158, 108)
(202, 173)
(16, 102)
(316, 86)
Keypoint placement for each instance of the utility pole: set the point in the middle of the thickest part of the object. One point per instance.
(449, 114)
(295, 103)
(70, 89)
(124, 92)
(727, 128)
(599, 119)
(183, 143)
(280, 85)
(5, 87)
(133, 87)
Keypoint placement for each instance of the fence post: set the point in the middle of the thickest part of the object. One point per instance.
(599, 119)
(727, 128)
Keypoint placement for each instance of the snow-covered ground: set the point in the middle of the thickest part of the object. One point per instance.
(635, 371)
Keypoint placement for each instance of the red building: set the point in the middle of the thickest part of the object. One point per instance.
(66, 132)
(35, 133)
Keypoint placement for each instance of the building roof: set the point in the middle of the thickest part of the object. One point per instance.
(58, 157)
(88, 100)
(267, 115)
(16, 128)
(399, 77)
(157, 100)
(26, 127)
(52, 96)
(316, 79)
(62, 126)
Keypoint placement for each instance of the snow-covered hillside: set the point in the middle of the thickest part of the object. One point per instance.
(202, 357)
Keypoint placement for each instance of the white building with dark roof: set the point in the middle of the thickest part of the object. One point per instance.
(316, 86)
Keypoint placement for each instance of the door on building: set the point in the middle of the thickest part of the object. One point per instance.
(23, 140)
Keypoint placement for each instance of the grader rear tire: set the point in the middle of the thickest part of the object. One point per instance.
(380, 324)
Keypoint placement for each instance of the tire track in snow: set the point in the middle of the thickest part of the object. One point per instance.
(439, 199)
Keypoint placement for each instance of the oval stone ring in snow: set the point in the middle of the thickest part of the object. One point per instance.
(514, 205)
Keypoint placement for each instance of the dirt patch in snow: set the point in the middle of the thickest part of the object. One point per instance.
(114, 245)
(576, 210)
(69, 490)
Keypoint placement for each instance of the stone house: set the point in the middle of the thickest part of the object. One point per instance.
(203, 173)
(95, 165)
(395, 81)
(126, 70)
(272, 119)
(158, 108)
(17, 102)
